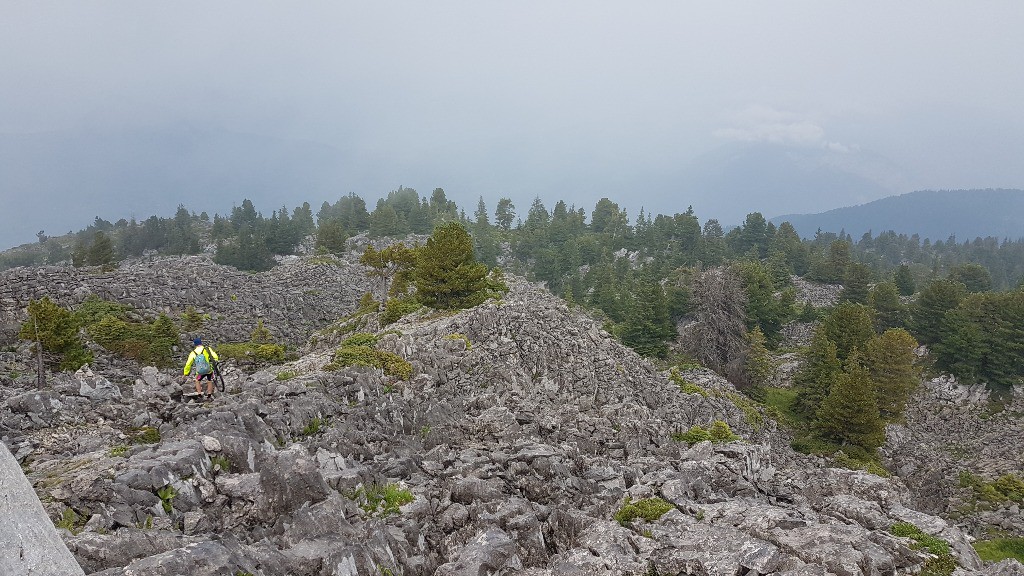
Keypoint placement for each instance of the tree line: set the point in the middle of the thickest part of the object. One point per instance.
(640, 275)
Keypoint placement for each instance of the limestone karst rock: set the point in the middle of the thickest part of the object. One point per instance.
(522, 431)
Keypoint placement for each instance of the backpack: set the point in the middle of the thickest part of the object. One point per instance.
(202, 365)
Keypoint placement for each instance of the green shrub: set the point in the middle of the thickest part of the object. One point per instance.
(146, 435)
(396, 308)
(360, 339)
(252, 352)
(191, 320)
(685, 385)
(286, 375)
(118, 450)
(1006, 488)
(167, 494)
(391, 363)
(719, 431)
(649, 509)
(314, 426)
(382, 499)
(222, 461)
(71, 521)
(463, 337)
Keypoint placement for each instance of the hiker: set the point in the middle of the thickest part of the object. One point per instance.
(202, 359)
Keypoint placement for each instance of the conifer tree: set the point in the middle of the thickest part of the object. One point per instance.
(447, 276)
(760, 367)
(889, 359)
(939, 297)
(647, 328)
(904, 280)
(817, 374)
(849, 415)
(101, 251)
(849, 326)
(855, 284)
(889, 311)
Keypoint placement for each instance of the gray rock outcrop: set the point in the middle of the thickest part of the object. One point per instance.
(28, 539)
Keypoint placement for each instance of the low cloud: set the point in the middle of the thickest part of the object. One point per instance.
(766, 124)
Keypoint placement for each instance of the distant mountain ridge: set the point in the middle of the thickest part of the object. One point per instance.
(933, 214)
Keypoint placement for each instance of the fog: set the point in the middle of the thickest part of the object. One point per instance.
(120, 109)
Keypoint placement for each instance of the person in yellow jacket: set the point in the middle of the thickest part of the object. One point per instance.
(202, 358)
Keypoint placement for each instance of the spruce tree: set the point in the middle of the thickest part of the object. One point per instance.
(849, 415)
(447, 276)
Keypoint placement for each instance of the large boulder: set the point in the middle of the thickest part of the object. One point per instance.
(28, 538)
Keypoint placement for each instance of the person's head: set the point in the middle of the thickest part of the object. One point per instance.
(197, 341)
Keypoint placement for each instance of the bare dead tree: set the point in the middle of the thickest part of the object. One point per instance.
(719, 335)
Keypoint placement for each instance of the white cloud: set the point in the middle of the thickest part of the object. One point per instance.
(766, 124)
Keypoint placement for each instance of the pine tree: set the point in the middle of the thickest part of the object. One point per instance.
(447, 276)
(939, 297)
(760, 367)
(849, 326)
(889, 359)
(904, 280)
(849, 415)
(101, 251)
(647, 327)
(889, 311)
(55, 328)
(817, 374)
(855, 284)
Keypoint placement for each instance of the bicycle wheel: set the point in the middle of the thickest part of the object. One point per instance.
(218, 377)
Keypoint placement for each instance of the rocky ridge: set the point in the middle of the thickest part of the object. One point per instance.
(521, 432)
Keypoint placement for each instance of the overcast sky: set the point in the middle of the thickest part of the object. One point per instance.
(530, 98)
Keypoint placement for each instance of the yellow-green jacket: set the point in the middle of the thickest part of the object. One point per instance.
(205, 351)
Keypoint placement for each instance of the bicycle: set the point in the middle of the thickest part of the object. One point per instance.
(217, 376)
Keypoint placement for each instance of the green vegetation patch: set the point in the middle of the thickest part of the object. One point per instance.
(167, 494)
(685, 385)
(146, 435)
(751, 410)
(1006, 488)
(779, 402)
(381, 499)
(649, 509)
(392, 364)
(998, 549)
(252, 352)
(396, 308)
(71, 521)
(360, 339)
(943, 564)
(463, 337)
(315, 426)
(119, 450)
(718, 432)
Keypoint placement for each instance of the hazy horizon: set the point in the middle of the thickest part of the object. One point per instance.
(121, 109)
